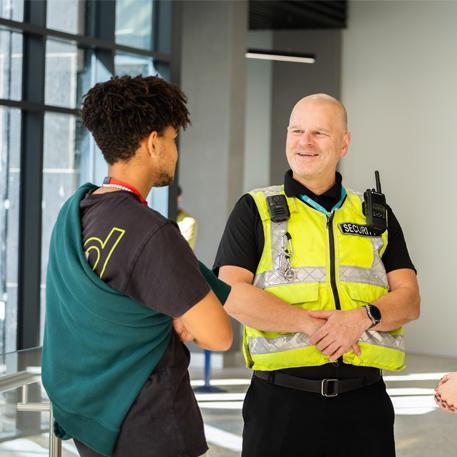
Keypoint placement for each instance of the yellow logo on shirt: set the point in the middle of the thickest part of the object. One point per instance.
(100, 247)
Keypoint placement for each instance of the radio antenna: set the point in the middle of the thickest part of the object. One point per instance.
(378, 182)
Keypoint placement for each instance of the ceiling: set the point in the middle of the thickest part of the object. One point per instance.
(287, 15)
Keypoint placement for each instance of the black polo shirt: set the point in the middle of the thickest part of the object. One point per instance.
(243, 241)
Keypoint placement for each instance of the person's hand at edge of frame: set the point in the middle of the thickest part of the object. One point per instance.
(446, 393)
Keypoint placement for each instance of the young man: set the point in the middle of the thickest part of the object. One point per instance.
(317, 390)
(123, 286)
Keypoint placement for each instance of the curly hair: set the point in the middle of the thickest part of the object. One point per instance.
(124, 110)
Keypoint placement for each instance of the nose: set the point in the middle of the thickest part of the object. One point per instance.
(306, 138)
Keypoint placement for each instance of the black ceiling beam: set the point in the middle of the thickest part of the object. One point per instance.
(293, 14)
(308, 14)
(334, 10)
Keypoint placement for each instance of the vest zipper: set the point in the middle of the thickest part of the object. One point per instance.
(336, 296)
(332, 261)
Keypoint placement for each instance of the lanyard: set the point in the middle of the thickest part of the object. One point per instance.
(112, 182)
(320, 208)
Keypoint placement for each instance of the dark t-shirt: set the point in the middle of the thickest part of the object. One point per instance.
(140, 253)
(243, 241)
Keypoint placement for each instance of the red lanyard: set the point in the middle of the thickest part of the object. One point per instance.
(120, 184)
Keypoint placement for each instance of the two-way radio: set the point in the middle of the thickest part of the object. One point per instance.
(375, 207)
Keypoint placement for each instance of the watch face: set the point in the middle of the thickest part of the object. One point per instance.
(375, 313)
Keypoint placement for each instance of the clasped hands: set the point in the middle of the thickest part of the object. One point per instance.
(336, 332)
(332, 332)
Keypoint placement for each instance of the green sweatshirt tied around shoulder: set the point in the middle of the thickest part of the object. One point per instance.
(99, 345)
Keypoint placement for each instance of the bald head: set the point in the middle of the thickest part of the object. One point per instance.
(317, 138)
(340, 114)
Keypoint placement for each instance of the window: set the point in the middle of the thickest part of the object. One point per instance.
(128, 64)
(44, 148)
(45, 152)
(65, 15)
(134, 23)
(62, 59)
(10, 125)
(10, 65)
(61, 177)
(12, 9)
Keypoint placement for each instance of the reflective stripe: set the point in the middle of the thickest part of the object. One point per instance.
(262, 345)
(277, 231)
(286, 342)
(376, 275)
(268, 191)
(275, 277)
(364, 276)
(384, 339)
(302, 275)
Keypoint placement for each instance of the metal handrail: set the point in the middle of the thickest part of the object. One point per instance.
(22, 379)
(16, 380)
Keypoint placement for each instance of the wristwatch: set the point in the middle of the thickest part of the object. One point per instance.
(373, 313)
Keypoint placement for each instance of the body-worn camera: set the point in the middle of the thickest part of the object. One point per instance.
(278, 208)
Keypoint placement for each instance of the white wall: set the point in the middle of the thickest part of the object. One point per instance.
(399, 83)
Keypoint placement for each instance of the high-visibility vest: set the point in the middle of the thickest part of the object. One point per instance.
(335, 264)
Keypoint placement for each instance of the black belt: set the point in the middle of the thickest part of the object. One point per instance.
(326, 387)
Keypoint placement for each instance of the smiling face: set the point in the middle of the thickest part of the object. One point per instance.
(317, 138)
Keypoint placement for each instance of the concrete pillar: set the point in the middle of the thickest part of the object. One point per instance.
(213, 75)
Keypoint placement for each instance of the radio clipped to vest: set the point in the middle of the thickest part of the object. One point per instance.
(375, 207)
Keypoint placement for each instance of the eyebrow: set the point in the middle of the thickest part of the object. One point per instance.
(292, 127)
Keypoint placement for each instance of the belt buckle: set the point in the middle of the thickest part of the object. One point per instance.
(332, 392)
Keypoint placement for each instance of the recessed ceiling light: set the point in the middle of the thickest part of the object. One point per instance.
(280, 56)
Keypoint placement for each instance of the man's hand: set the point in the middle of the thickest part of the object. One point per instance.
(313, 324)
(341, 331)
(446, 392)
(181, 330)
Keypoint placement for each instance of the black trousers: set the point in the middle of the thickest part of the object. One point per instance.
(283, 422)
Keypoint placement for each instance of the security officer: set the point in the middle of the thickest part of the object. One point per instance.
(317, 389)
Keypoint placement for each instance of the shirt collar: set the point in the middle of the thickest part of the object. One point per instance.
(328, 199)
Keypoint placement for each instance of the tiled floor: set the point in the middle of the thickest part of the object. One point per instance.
(421, 429)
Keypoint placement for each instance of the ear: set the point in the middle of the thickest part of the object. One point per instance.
(151, 143)
(345, 146)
